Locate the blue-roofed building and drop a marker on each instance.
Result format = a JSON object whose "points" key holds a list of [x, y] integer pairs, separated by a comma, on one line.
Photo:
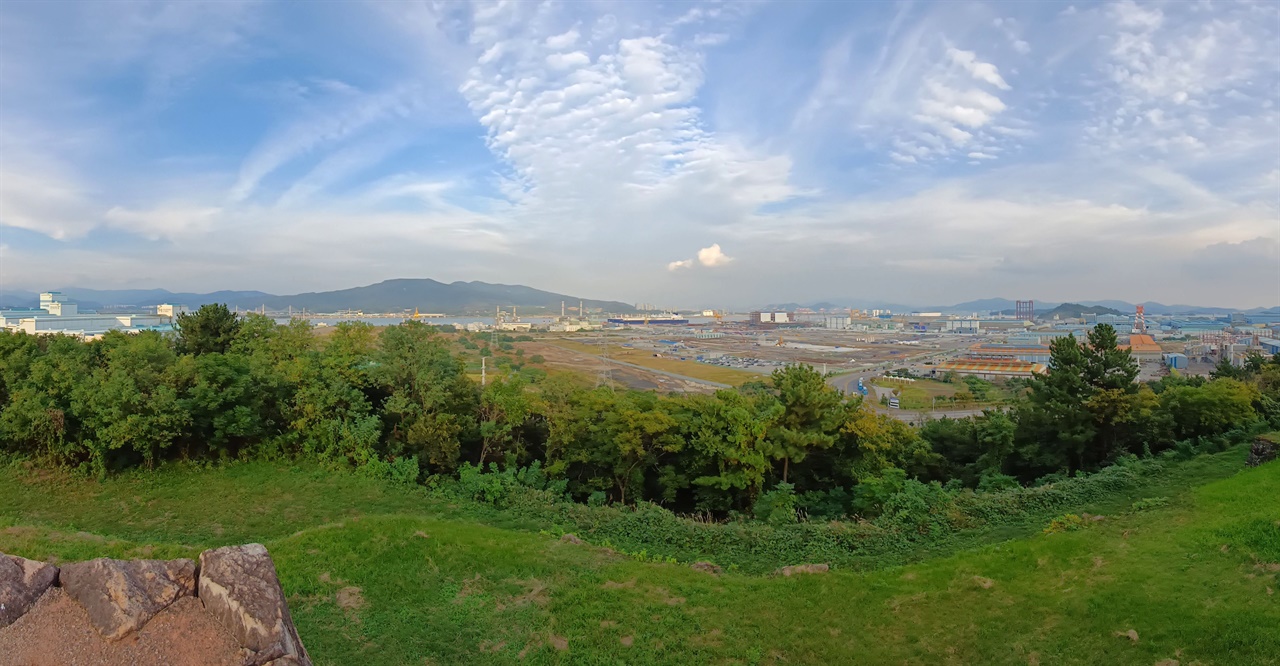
{"points": [[1270, 346]]}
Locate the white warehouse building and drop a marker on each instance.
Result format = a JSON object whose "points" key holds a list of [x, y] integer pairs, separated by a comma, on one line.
{"points": [[59, 316]]}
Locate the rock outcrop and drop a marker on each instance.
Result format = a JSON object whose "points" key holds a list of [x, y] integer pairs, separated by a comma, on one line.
{"points": [[122, 595], [1264, 450], [238, 585], [707, 567], [238, 593], [803, 569], [22, 582]]}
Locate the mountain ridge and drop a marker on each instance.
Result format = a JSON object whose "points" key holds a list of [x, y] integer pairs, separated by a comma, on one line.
{"points": [[393, 295]]}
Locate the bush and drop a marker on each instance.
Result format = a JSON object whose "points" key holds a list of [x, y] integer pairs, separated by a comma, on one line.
{"points": [[1149, 503], [778, 506], [1069, 522], [402, 471]]}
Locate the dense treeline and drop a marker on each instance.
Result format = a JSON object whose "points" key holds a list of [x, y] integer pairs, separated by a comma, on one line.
{"points": [[398, 402]]}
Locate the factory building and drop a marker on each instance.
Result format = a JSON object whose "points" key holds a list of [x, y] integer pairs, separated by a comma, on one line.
{"points": [[1270, 346], [991, 369], [1144, 348], [59, 316], [171, 311], [759, 318], [1031, 353], [1194, 327]]}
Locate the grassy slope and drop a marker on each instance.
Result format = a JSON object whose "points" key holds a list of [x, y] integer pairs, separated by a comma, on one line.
{"points": [[1196, 579]]}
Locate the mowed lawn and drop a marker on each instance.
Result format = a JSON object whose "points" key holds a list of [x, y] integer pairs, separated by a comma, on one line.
{"points": [[431, 582]]}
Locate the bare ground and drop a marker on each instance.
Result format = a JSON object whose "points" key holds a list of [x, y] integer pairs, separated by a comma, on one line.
{"points": [[57, 632]]}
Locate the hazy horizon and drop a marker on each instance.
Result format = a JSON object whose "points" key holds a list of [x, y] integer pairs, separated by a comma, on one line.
{"points": [[682, 153]]}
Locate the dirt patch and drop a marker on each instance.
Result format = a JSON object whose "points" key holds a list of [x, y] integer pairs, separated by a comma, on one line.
{"points": [[492, 646], [535, 593], [57, 631], [1131, 634], [627, 641], [470, 587], [605, 624], [984, 583], [664, 595], [350, 599], [709, 639], [560, 643], [422, 535]]}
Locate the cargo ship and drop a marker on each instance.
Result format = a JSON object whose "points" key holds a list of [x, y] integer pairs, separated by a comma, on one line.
{"points": [[664, 319]]}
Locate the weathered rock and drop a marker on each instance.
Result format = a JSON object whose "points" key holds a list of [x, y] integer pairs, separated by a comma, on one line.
{"points": [[22, 581], [571, 538], [238, 584], [1264, 450], [122, 595], [803, 569], [707, 567]]}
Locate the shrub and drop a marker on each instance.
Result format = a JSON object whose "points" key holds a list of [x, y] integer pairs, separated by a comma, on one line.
{"points": [[1149, 503], [1069, 522], [778, 506]]}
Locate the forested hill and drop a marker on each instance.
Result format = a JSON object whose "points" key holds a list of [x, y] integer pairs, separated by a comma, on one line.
{"points": [[388, 296]]}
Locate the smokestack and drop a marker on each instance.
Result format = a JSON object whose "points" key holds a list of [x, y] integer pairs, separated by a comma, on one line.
{"points": [[562, 309], [582, 314]]}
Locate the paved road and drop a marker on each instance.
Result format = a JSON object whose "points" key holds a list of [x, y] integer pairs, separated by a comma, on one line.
{"points": [[849, 384]]}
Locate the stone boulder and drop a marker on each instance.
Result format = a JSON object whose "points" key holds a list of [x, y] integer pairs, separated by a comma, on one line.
{"points": [[707, 567], [1264, 450], [122, 595], [22, 581], [803, 569], [239, 586]]}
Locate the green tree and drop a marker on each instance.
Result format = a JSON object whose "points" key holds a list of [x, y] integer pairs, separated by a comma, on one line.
{"points": [[211, 329], [810, 415]]}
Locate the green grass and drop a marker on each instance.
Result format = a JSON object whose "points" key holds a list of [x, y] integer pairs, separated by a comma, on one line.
{"points": [[446, 583]]}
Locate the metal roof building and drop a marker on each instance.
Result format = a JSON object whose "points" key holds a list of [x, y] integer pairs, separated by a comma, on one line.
{"points": [[992, 369]]}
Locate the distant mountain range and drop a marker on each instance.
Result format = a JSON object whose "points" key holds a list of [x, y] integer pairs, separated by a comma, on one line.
{"points": [[1007, 306], [388, 296], [481, 297]]}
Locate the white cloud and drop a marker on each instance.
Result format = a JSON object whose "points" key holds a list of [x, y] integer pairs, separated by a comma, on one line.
{"points": [[712, 257], [567, 60], [166, 222], [982, 71], [563, 40], [319, 127]]}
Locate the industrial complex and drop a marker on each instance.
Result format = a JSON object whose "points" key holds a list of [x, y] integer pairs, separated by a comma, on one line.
{"points": [[989, 346]]}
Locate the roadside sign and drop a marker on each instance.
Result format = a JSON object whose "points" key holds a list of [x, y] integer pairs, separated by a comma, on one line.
{"points": [[893, 403]]}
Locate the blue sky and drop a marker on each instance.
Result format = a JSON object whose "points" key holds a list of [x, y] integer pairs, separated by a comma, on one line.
{"points": [[680, 153]]}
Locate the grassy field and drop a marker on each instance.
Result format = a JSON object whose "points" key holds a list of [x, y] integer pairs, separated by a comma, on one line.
{"points": [[690, 368], [445, 583]]}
